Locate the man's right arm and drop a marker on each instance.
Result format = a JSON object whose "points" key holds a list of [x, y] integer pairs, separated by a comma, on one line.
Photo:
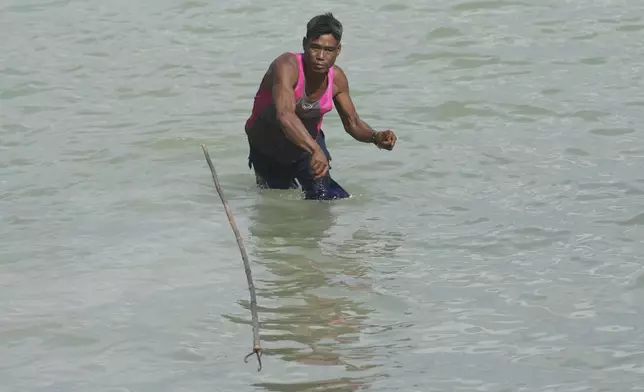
{"points": [[285, 74]]}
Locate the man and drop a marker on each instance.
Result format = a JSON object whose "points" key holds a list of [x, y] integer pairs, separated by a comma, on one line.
{"points": [[284, 129]]}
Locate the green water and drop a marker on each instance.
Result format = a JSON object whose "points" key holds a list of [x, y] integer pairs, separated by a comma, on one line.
{"points": [[497, 248]]}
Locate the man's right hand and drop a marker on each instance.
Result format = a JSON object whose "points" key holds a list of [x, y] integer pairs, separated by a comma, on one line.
{"points": [[319, 164]]}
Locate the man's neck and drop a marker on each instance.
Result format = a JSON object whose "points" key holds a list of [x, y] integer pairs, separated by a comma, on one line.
{"points": [[314, 79]]}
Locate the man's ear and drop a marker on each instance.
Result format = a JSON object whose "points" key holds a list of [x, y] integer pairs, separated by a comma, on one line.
{"points": [[304, 43], [339, 49]]}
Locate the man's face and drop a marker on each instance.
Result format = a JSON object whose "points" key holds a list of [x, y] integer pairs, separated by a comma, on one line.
{"points": [[321, 52]]}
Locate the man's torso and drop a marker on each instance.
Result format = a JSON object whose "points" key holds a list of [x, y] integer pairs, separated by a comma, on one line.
{"points": [[262, 127]]}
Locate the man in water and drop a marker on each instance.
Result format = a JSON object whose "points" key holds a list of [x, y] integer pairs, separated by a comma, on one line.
{"points": [[284, 129]]}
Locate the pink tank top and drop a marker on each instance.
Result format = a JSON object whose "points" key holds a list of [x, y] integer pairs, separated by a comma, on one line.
{"points": [[310, 112]]}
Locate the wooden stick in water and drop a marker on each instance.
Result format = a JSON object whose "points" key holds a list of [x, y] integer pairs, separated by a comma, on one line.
{"points": [[251, 287]]}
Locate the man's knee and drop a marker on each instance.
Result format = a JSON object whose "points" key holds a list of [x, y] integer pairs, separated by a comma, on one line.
{"points": [[324, 189]]}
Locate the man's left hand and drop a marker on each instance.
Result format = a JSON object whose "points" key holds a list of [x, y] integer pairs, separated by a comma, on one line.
{"points": [[386, 139]]}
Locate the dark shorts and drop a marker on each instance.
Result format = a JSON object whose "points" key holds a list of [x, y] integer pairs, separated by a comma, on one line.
{"points": [[272, 174]]}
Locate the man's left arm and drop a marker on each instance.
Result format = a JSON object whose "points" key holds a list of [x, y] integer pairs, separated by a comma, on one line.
{"points": [[351, 121]]}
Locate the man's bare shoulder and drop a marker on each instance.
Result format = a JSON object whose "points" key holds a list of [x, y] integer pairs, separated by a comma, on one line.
{"points": [[284, 62], [340, 81], [339, 72]]}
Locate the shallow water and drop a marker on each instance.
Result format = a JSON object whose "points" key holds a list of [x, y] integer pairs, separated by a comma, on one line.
{"points": [[497, 248]]}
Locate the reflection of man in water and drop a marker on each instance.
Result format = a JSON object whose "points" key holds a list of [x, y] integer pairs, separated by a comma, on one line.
{"points": [[305, 299], [302, 224], [299, 312]]}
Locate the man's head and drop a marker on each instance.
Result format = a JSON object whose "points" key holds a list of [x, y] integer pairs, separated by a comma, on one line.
{"points": [[322, 42]]}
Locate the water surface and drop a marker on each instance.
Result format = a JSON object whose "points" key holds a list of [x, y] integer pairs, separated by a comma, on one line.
{"points": [[497, 248]]}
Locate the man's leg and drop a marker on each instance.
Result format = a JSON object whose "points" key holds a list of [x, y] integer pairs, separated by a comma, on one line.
{"points": [[270, 174], [324, 188]]}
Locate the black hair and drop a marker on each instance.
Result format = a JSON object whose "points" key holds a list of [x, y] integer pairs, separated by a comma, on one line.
{"points": [[323, 24]]}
